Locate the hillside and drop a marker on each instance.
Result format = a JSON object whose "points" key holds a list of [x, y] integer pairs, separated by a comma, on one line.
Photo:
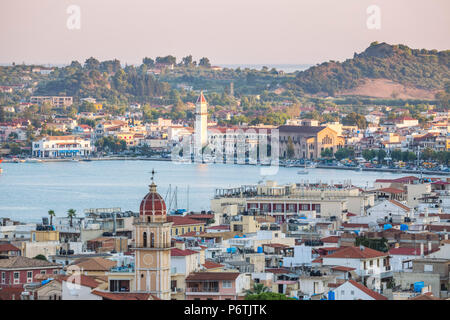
{"points": [[382, 71]]}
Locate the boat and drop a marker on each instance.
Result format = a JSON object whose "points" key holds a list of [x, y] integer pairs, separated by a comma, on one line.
{"points": [[31, 160], [1, 170], [303, 171]]}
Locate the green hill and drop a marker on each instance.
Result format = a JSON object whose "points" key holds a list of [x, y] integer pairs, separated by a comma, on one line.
{"points": [[417, 68]]}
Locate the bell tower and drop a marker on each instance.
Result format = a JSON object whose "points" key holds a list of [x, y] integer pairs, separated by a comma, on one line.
{"points": [[201, 124], [152, 242]]}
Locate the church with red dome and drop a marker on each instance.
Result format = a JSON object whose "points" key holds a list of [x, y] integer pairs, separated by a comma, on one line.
{"points": [[152, 242]]}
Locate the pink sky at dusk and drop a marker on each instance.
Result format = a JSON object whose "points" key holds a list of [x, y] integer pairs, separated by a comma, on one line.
{"points": [[227, 32]]}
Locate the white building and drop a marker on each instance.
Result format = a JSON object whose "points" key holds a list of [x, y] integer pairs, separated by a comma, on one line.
{"points": [[352, 290], [372, 265], [302, 257], [61, 147], [384, 211]]}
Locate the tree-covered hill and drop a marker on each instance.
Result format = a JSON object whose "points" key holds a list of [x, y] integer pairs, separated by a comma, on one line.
{"points": [[419, 68]]}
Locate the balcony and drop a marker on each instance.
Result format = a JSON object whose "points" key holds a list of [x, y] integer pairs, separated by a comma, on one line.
{"points": [[203, 290]]}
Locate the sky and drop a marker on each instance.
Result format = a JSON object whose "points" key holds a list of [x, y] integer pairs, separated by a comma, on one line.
{"points": [[225, 31]]}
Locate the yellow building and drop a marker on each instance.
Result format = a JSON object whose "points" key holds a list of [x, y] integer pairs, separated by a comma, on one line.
{"points": [[183, 225], [44, 236], [308, 142], [244, 224]]}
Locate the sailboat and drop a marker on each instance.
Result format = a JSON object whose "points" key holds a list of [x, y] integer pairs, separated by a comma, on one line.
{"points": [[303, 171]]}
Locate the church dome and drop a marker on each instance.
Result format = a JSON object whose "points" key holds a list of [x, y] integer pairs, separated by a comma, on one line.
{"points": [[152, 204]]}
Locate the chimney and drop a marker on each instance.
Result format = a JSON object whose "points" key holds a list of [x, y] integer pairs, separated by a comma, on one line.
{"points": [[421, 249]]}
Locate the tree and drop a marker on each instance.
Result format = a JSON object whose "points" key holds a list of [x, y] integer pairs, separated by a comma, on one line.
{"points": [[2, 114], [355, 119], [344, 153], [267, 296], [368, 154], [51, 213], [381, 155], [71, 213], [290, 148], [91, 64], [327, 153], [258, 288], [187, 61], [204, 62], [148, 62], [40, 257]]}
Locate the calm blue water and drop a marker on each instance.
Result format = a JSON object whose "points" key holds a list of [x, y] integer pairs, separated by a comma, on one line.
{"points": [[29, 190]]}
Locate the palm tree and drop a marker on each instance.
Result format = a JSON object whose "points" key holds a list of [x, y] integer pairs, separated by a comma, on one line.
{"points": [[258, 288], [51, 213], [71, 214]]}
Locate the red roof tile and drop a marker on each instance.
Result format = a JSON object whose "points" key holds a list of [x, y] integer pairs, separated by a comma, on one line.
{"points": [[330, 239], [211, 265], [366, 290], [8, 247], [175, 252], [356, 253]]}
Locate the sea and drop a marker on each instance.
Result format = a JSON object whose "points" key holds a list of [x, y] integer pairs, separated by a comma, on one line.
{"points": [[29, 190]]}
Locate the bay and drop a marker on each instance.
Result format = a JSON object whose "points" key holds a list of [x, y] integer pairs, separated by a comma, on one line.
{"points": [[29, 190]]}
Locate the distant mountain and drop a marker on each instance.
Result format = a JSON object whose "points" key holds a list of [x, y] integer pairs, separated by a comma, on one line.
{"points": [[382, 70]]}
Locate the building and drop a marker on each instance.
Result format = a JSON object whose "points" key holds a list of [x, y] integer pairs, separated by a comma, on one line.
{"points": [[55, 101], [216, 286], [61, 147], [152, 246], [17, 271], [183, 225], [201, 124], [7, 249], [371, 265], [308, 142], [352, 290]]}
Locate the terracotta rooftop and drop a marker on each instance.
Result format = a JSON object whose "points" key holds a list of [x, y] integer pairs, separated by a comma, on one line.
{"points": [[356, 253], [366, 290], [211, 264], [342, 268], [401, 205], [124, 295], [175, 252], [425, 296], [94, 264], [330, 239], [181, 221], [201, 276], [24, 262], [8, 247], [85, 281]]}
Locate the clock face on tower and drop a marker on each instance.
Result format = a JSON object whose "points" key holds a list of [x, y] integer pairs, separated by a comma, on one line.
{"points": [[148, 259]]}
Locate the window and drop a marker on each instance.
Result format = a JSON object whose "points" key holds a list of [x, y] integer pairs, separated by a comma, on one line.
{"points": [[145, 239], [226, 284], [43, 272], [3, 277], [427, 268], [16, 277], [29, 276], [352, 293], [55, 271], [342, 292]]}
